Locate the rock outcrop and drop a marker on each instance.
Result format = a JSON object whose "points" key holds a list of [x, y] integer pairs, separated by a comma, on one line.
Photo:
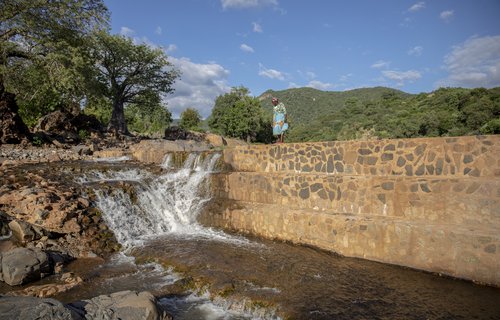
{"points": [[66, 127], [47, 210], [12, 127]]}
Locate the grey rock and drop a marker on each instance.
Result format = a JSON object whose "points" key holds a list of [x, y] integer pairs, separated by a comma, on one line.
{"points": [[22, 265], [30, 308], [124, 305]]}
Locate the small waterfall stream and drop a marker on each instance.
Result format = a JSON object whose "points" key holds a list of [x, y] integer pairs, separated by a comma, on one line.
{"points": [[167, 204]]}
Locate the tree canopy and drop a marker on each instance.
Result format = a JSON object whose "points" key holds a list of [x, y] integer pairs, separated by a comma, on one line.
{"points": [[41, 50], [190, 119], [128, 73], [236, 114], [387, 113]]}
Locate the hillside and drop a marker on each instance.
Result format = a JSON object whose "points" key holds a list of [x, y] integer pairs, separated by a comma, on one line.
{"points": [[306, 104], [380, 112]]}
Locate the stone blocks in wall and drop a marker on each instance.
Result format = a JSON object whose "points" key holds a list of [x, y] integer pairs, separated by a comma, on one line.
{"points": [[450, 249], [475, 156], [427, 203]]}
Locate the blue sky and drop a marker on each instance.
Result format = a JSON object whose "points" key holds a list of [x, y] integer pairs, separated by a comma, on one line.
{"points": [[331, 45]]}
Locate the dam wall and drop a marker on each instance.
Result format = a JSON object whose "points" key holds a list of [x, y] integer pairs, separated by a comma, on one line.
{"points": [[428, 203]]}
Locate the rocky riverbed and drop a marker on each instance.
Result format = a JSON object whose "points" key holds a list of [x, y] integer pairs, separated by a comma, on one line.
{"points": [[48, 220]]}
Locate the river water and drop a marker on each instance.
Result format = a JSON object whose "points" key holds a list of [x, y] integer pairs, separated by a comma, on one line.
{"points": [[202, 273]]}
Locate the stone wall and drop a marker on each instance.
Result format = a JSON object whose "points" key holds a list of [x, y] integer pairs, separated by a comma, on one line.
{"points": [[429, 203]]}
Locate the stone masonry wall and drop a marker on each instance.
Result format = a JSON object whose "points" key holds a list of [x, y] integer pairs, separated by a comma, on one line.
{"points": [[429, 203]]}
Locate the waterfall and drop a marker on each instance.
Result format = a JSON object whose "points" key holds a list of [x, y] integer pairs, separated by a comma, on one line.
{"points": [[168, 203], [167, 161]]}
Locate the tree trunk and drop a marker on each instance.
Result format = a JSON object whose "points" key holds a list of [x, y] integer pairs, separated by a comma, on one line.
{"points": [[117, 124]]}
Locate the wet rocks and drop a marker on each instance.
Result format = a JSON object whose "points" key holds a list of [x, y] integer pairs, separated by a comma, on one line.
{"points": [[22, 265], [126, 305], [67, 281], [29, 308]]}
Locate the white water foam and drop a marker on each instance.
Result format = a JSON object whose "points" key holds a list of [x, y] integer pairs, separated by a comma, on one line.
{"points": [[201, 307], [167, 161], [124, 175], [167, 204], [112, 159]]}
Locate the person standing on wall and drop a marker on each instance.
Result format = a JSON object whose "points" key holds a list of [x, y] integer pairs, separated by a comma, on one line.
{"points": [[280, 124]]}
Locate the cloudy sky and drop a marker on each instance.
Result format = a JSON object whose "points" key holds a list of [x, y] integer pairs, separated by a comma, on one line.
{"points": [[333, 45]]}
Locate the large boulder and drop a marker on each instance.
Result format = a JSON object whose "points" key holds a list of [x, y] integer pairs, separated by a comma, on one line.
{"points": [[66, 127], [124, 305], [177, 133], [30, 308], [22, 265], [12, 127]]}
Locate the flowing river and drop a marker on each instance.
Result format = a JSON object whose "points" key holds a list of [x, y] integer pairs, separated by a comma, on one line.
{"points": [[203, 273]]}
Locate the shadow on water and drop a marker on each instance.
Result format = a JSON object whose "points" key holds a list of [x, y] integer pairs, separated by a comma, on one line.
{"points": [[305, 283]]}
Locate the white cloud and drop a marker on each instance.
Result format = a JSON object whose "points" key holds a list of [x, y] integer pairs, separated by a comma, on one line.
{"points": [[417, 6], [256, 27], [197, 87], [270, 73], [320, 85], [310, 75], [345, 77], [125, 31], [246, 48], [130, 33], [475, 63], [171, 48], [380, 64], [446, 15], [158, 30], [402, 76], [416, 51], [243, 4]]}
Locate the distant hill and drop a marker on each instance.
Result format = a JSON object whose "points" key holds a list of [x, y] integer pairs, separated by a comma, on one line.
{"points": [[381, 112], [306, 104]]}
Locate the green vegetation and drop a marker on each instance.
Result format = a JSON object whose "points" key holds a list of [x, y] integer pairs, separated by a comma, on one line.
{"points": [[128, 73], [190, 119], [387, 113], [59, 55], [41, 51], [238, 115]]}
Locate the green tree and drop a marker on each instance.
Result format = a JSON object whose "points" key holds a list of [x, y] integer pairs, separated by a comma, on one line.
{"points": [[41, 50], [190, 119], [236, 114], [147, 115], [126, 73]]}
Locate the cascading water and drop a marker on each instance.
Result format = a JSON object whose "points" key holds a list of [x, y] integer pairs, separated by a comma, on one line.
{"points": [[168, 203]]}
